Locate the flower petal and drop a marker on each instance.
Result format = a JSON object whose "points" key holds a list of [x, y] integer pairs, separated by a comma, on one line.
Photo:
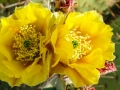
{"points": [[11, 80], [94, 58], [108, 54]]}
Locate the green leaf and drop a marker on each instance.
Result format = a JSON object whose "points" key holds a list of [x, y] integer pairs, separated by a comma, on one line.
{"points": [[60, 84], [52, 88], [3, 1], [116, 30]]}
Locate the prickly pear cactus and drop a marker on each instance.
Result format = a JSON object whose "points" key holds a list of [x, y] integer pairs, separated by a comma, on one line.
{"points": [[98, 5]]}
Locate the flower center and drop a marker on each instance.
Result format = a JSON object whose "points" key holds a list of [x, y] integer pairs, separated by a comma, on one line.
{"points": [[26, 43], [75, 44], [81, 44]]}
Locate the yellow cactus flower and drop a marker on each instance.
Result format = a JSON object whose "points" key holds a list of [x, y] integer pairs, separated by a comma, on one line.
{"points": [[92, 46], [23, 56], [59, 45]]}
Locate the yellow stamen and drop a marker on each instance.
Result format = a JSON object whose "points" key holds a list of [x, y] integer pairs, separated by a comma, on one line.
{"points": [[26, 43], [81, 44]]}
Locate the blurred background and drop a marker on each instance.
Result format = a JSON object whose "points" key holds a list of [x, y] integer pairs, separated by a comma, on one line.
{"points": [[109, 9]]}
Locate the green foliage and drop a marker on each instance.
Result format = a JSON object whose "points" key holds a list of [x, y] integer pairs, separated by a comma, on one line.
{"points": [[86, 5], [52, 88], [45, 3], [5, 86], [7, 6], [60, 85], [8, 1], [3, 1], [116, 30]]}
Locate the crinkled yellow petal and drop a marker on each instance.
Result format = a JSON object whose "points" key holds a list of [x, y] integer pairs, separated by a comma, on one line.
{"points": [[70, 72], [56, 70], [14, 26], [54, 37], [83, 69], [42, 39], [61, 45], [71, 16], [78, 80], [15, 67], [74, 77], [104, 37], [55, 59], [92, 16], [65, 45], [62, 31], [63, 56], [33, 68], [12, 81], [108, 54], [44, 57], [5, 51], [33, 71], [86, 67], [0, 26], [38, 73], [37, 15], [7, 71], [26, 13], [60, 17], [84, 17], [39, 77], [6, 38], [36, 78], [62, 42], [2, 57], [43, 20], [94, 58]]}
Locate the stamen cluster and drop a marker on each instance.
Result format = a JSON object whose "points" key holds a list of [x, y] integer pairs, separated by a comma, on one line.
{"points": [[81, 43], [26, 43]]}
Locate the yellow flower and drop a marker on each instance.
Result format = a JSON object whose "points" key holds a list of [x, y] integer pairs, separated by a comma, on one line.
{"points": [[59, 45], [22, 51], [92, 46]]}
